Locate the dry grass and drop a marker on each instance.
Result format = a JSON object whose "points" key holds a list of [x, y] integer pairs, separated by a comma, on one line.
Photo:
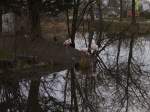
{"points": [[54, 29]]}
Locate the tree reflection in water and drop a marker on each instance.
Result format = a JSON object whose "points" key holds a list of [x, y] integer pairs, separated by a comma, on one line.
{"points": [[120, 83], [11, 98]]}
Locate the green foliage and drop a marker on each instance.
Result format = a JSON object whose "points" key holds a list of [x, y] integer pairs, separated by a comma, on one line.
{"points": [[5, 54], [56, 6], [68, 4], [145, 14]]}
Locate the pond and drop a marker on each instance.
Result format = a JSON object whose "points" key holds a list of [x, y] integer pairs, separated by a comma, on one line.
{"points": [[118, 83]]}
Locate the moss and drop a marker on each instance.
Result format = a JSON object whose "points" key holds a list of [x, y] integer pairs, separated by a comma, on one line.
{"points": [[5, 55]]}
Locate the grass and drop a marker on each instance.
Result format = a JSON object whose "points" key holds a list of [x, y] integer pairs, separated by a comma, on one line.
{"points": [[5, 55]]}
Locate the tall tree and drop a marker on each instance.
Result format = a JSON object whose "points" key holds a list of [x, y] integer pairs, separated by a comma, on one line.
{"points": [[99, 4], [121, 9], [33, 105], [0, 20], [34, 13], [133, 11], [1, 5]]}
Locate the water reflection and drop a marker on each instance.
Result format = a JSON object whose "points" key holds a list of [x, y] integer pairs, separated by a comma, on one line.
{"points": [[11, 97], [120, 83]]}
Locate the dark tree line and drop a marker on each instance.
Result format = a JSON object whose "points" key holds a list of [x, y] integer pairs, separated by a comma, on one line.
{"points": [[34, 7]]}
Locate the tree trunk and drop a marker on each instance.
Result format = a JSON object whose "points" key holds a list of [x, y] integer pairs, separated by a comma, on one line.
{"points": [[0, 20], [129, 72], [74, 102], [32, 104], [74, 22], [99, 3], [121, 10], [34, 16], [133, 12], [91, 32]]}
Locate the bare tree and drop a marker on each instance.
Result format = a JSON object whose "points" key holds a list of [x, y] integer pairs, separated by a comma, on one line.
{"points": [[33, 102], [121, 9], [100, 30], [133, 11], [0, 20], [34, 15]]}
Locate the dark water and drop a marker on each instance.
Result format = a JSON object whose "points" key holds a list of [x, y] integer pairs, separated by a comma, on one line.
{"points": [[119, 84]]}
